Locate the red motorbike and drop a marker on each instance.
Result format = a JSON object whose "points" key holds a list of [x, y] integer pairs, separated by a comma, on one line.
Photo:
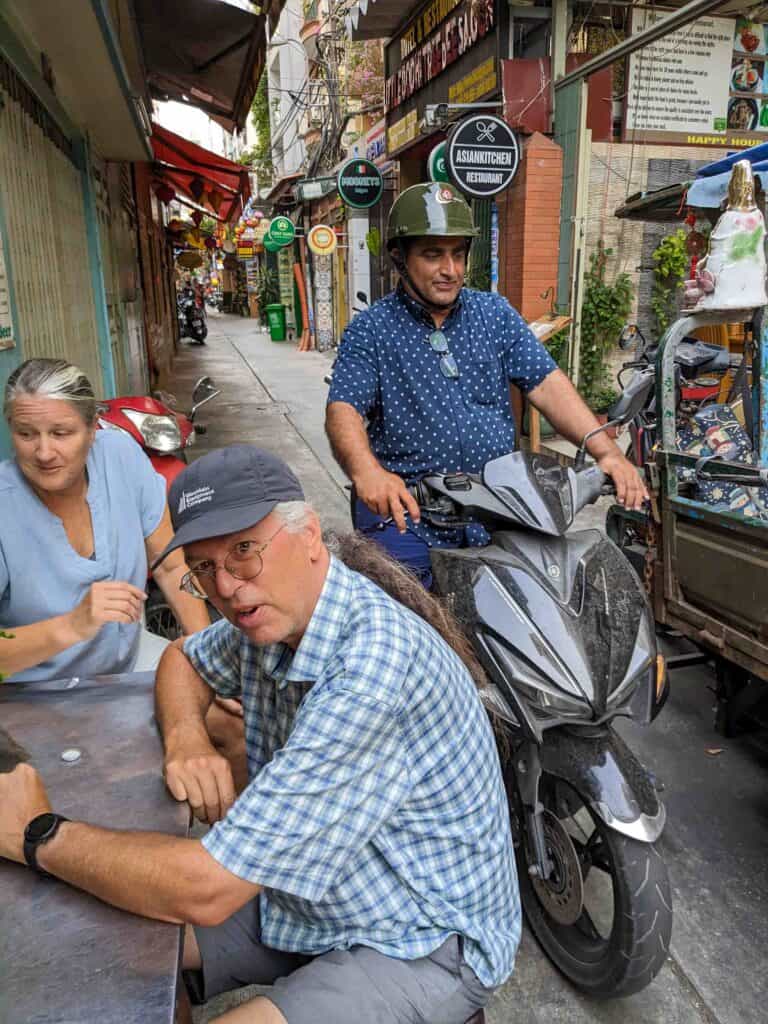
{"points": [[164, 434]]}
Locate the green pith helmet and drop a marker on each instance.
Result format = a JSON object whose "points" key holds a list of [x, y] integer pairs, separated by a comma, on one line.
{"points": [[433, 208]]}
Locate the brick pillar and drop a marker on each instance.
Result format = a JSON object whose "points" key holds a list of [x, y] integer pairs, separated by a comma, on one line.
{"points": [[529, 228]]}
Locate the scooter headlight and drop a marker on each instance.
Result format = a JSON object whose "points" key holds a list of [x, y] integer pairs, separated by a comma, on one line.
{"points": [[161, 433]]}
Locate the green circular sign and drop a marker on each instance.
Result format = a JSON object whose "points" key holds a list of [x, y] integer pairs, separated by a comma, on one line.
{"points": [[270, 244], [281, 230], [436, 164], [360, 183]]}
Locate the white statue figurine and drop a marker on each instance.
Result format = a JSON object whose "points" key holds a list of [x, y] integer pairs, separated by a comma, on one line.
{"points": [[732, 274]]}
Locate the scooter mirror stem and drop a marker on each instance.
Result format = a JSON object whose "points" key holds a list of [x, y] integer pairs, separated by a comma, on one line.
{"points": [[581, 454]]}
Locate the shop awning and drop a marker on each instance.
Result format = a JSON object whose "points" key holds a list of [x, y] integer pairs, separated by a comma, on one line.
{"points": [[179, 163], [209, 53]]}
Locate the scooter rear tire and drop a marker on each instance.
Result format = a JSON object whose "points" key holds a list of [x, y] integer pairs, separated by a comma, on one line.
{"points": [[638, 944]]}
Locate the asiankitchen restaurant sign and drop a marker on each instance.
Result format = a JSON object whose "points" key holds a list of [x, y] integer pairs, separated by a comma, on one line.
{"points": [[703, 85]]}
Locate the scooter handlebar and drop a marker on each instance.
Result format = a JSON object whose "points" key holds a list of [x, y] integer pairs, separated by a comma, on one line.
{"points": [[589, 486]]}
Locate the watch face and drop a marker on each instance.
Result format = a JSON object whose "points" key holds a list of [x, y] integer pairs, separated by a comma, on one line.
{"points": [[39, 827]]}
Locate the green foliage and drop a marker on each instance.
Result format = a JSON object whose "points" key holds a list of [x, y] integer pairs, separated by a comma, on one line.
{"points": [[670, 259], [259, 157], [557, 346], [604, 311], [267, 290], [604, 398]]}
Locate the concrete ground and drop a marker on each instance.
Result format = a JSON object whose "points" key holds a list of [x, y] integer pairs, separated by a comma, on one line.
{"points": [[716, 839]]}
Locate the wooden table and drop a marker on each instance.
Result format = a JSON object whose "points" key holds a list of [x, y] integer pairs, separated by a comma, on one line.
{"points": [[65, 957]]}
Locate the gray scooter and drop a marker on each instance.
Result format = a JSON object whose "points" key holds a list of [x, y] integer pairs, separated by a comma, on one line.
{"points": [[564, 631]]}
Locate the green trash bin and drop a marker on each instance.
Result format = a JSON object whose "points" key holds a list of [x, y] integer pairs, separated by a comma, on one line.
{"points": [[276, 321]]}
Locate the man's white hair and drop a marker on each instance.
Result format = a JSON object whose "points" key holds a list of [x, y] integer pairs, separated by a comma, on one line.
{"points": [[295, 514]]}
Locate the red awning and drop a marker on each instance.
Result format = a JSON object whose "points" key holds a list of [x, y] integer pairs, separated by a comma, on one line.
{"points": [[179, 162]]}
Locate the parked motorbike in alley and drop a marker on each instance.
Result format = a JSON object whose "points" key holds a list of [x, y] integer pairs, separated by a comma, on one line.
{"points": [[190, 311], [164, 434], [565, 633]]}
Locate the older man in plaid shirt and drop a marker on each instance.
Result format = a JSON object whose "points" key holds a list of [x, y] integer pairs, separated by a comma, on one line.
{"points": [[366, 871]]}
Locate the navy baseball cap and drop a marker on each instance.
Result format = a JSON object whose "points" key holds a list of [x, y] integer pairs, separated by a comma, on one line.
{"points": [[226, 491]]}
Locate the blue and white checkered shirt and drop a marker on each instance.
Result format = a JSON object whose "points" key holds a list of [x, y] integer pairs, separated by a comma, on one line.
{"points": [[376, 813]]}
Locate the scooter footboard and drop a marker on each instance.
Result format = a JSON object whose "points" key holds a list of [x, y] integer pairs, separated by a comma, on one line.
{"points": [[608, 776]]}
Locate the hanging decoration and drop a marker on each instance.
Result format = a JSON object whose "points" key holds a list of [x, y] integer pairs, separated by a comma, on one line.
{"points": [[196, 188], [165, 193]]}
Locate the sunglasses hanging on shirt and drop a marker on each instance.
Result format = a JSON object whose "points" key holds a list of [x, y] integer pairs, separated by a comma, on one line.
{"points": [[448, 366]]}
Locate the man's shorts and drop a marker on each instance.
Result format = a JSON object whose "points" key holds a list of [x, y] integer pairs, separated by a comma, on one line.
{"points": [[354, 986]]}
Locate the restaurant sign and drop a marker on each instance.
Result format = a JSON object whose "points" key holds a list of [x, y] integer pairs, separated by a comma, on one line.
{"points": [[482, 155], [460, 26], [360, 183]]}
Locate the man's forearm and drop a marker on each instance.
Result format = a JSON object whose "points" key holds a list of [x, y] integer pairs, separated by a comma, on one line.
{"points": [[182, 698], [559, 401], [349, 440], [154, 875]]}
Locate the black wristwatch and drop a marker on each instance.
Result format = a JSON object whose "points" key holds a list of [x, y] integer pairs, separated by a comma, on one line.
{"points": [[40, 830]]}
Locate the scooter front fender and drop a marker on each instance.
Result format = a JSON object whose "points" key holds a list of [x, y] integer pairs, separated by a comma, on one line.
{"points": [[607, 775]]}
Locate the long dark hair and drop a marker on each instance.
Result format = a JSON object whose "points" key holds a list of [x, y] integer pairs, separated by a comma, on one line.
{"points": [[368, 558]]}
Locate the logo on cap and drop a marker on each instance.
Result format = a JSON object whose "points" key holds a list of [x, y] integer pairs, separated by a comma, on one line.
{"points": [[189, 499]]}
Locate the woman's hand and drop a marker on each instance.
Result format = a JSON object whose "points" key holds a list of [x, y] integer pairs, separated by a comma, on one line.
{"points": [[109, 601]]}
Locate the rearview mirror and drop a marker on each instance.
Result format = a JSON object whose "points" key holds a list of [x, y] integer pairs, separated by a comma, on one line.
{"points": [[202, 388], [633, 398], [631, 337]]}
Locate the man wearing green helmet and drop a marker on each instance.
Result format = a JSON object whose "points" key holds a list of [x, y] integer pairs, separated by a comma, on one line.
{"points": [[429, 368]]}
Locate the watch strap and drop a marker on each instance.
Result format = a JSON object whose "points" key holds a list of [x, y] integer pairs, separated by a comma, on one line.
{"points": [[31, 845]]}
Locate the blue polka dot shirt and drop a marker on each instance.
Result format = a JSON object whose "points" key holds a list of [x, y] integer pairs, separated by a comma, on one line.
{"points": [[420, 421]]}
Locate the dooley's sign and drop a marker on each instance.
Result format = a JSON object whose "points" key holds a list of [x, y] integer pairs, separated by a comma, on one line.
{"points": [[360, 183], [482, 155], [449, 38]]}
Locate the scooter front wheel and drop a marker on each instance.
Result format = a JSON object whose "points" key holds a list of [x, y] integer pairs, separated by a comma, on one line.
{"points": [[604, 917]]}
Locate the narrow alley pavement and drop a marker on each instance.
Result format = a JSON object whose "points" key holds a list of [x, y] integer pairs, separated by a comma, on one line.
{"points": [[715, 790]]}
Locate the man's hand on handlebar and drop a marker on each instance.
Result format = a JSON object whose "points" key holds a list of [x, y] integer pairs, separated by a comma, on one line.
{"points": [[386, 494], [630, 489]]}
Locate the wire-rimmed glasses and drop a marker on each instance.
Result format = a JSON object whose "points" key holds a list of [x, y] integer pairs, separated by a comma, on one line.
{"points": [[448, 366], [244, 562]]}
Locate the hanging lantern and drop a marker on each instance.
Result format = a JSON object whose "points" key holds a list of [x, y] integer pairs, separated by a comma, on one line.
{"points": [[196, 218], [210, 242], [165, 193], [215, 199], [196, 188]]}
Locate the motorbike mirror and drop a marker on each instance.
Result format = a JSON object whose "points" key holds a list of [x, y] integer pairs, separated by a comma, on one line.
{"points": [[631, 337], [632, 400], [202, 388], [634, 397], [362, 297]]}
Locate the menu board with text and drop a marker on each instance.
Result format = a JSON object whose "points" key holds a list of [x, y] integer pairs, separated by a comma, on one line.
{"points": [[705, 84]]}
